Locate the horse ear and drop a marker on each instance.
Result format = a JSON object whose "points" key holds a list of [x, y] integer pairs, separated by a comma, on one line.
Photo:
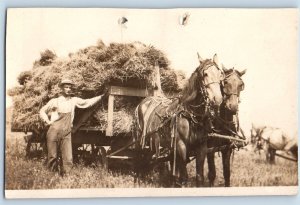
{"points": [[224, 68], [243, 72], [216, 60], [199, 58]]}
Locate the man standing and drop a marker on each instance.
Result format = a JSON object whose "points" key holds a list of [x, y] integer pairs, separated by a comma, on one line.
{"points": [[61, 122]]}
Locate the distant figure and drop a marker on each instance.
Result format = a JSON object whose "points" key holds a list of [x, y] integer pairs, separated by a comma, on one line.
{"points": [[271, 139], [59, 134]]}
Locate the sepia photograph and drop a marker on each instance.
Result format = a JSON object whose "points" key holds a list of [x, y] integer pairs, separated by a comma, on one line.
{"points": [[151, 102]]}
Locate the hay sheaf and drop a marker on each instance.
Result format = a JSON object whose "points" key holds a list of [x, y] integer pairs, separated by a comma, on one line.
{"points": [[93, 69]]}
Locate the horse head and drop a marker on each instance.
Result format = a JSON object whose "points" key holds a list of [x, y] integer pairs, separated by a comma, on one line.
{"points": [[211, 76], [231, 87], [204, 83], [256, 139]]}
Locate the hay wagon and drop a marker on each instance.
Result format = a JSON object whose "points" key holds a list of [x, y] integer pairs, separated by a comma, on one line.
{"points": [[94, 142], [98, 144]]}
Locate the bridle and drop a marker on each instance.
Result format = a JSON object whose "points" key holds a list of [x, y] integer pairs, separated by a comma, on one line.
{"points": [[237, 93], [203, 92], [202, 75], [204, 85], [227, 124]]}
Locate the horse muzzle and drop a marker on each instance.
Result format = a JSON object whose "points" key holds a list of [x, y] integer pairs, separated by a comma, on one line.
{"points": [[232, 103], [214, 95]]}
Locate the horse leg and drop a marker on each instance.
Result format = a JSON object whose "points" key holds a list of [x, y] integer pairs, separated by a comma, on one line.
{"points": [[272, 155], [156, 145], [181, 135], [211, 168], [226, 166], [182, 162], [200, 159], [267, 151], [139, 164], [137, 167]]}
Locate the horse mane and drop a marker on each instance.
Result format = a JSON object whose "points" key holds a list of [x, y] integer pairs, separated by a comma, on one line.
{"points": [[190, 89]]}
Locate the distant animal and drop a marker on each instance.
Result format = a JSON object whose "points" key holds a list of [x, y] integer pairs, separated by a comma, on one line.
{"points": [[226, 124], [271, 139], [184, 132]]}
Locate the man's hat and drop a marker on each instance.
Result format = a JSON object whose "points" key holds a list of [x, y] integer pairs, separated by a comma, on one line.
{"points": [[66, 81]]}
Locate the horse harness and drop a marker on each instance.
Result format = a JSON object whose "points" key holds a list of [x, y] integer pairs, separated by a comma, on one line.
{"points": [[205, 104], [187, 111], [226, 124]]}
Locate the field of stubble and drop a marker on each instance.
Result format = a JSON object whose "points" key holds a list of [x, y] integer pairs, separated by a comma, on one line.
{"points": [[248, 169]]}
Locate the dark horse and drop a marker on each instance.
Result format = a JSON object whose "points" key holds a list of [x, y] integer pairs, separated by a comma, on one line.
{"points": [[226, 124], [178, 128]]}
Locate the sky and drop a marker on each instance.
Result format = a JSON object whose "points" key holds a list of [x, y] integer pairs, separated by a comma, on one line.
{"points": [[262, 41]]}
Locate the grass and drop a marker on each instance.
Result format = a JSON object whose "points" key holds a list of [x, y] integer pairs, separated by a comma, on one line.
{"points": [[248, 169]]}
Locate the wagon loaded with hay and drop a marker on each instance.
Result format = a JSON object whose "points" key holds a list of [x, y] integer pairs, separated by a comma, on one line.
{"points": [[125, 72]]}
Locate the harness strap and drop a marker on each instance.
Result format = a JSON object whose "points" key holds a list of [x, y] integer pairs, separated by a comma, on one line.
{"points": [[174, 139], [158, 128]]}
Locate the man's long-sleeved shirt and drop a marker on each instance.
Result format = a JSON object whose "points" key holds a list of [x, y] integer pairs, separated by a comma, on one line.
{"points": [[65, 105]]}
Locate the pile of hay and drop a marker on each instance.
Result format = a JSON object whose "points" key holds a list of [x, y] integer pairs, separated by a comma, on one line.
{"points": [[93, 69]]}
